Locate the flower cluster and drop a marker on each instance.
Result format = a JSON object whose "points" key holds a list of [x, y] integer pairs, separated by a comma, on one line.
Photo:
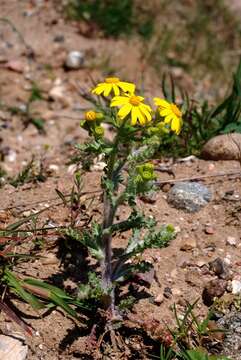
{"points": [[131, 106], [145, 172]]}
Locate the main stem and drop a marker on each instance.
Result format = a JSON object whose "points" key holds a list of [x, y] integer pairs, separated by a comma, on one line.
{"points": [[106, 266], [108, 219]]}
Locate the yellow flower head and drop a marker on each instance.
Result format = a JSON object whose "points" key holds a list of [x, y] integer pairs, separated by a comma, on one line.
{"points": [[90, 115], [132, 104], [113, 84], [172, 115]]}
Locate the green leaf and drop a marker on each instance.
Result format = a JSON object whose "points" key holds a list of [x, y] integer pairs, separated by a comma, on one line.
{"points": [[15, 284]]}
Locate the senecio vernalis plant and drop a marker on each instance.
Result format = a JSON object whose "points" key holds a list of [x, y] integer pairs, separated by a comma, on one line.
{"points": [[128, 173]]}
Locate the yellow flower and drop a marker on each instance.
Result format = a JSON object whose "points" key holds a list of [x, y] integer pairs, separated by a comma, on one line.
{"points": [[132, 104], [113, 83], [171, 114]]}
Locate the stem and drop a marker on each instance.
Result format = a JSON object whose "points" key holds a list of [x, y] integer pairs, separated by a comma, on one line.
{"points": [[108, 219]]}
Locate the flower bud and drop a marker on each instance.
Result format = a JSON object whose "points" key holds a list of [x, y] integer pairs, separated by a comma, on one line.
{"points": [[90, 115]]}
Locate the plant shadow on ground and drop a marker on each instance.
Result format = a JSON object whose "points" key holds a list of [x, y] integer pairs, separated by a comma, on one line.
{"points": [[76, 267]]}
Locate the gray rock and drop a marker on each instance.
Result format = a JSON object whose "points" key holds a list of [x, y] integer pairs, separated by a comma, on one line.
{"points": [[223, 147], [231, 322], [189, 196], [12, 349], [74, 60]]}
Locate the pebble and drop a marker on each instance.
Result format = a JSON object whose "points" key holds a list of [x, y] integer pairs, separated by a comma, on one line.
{"points": [[149, 198], [74, 60], [236, 287], [27, 213], [98, 166], [214, 288], [11, 156], [167, 292], [53, 168], [189, 196], [188, 244], [220, 268], [50, 259], [231, 240], [159, 299], [209, 230]]}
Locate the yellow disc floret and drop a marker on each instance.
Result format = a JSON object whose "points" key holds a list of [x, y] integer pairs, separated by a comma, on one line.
{"points": [[112, 80], [134, 100]]}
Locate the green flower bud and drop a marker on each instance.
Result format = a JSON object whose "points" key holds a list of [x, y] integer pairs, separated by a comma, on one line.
{"points": [[99, 131]]}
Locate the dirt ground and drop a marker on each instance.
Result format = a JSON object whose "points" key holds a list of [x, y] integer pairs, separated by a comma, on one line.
{"points": [[184, 272]]}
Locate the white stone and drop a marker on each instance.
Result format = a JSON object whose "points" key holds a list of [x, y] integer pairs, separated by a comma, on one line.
{"points": [[74, 60], [12, 348], [236, 287], [231, 240]]}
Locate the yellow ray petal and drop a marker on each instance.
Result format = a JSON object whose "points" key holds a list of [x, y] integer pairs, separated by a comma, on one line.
{"points": [[134, 114], [161, 102], [119, 101], [127, 87], [165, 112], [108, 88], [99, 89], [176, 125], [124, 111], [141, 118], [147, 107], [168, 118], [145, 112], [116, 90]]}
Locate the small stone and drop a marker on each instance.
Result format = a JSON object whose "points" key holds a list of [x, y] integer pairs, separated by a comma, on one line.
{"points": [[74, 60], [59, 38], [189, 196], [27, 213], [188, 244], [15, 65], [219, 268], [50, 259], [166, 187], [11, 156], [236, 287], [53, 168], [159, 299], [214, 288], [211, 167], [58, 93], [149, 198], [209, 230], [231, 240], [167, 292], [176, 292], [201, 263], [98, 166]]}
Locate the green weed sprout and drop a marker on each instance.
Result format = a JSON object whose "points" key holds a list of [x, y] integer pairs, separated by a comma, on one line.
{"points": [[128, 173]]}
